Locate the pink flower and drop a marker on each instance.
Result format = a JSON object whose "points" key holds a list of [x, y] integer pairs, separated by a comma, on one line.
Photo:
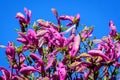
{"points": [[61, 69], [86, 32], [22, 20], [10, 51], [51, 36], [113, 32], [46, 24], [74, 20], [29, 39]]}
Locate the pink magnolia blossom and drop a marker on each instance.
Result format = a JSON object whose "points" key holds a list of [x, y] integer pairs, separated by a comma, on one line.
{"points": [[10, 51], [52, 36], [113, 32], [29, 40], [74, 20], [24, 20], [61, 69], [86, 32], [46, 24]]}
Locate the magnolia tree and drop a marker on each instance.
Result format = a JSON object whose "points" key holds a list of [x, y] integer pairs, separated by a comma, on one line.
{"points": [[60, 51]]}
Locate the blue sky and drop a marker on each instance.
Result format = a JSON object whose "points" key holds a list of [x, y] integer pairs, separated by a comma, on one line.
{"points": [[97, 13]]}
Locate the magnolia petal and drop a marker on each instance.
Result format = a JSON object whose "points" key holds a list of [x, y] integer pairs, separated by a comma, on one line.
{"points": [[22, 40], [98, 53], [74, 64], [61, 69], [28, 70], [6, 74], [55, 12], [2, 46], [20, 16], [76, 46], [22, 35], [83, 55], [38, 59], [113, 32], [51, 59]]}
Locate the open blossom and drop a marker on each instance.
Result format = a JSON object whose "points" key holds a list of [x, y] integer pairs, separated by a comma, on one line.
{"points": [[52, 36], [29, 40], [24, 20], [61, 69], [10, 51]]}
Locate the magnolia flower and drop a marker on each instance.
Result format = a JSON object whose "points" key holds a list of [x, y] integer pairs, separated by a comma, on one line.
{"points": [[113, 32], [74, 20], [50, 36], [10, 51], [46, 24], [86, 32], [22, 20], [61, 69], [76, 45], [29, 40]]}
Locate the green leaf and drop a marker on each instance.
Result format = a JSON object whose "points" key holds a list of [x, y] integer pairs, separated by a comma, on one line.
{"points": [[64, 28], [19, 49], [25, 25]]}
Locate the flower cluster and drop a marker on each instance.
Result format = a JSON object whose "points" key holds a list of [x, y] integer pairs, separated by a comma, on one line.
{"points": [[54, 52]]}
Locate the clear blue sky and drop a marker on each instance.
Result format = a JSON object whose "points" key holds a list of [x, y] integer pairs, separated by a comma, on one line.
{"points": [[97, 13]]}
